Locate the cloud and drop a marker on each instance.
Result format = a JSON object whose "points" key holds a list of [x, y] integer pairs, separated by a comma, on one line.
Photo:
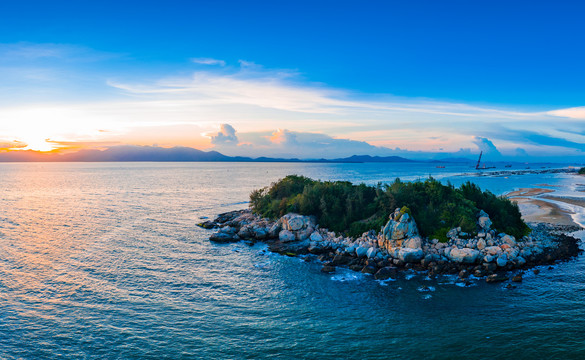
{"points": [[577, 113], [257, 100], [208, 61], [226, 136], [66, 53], [486, 146], [284, 137], [15, 144]]}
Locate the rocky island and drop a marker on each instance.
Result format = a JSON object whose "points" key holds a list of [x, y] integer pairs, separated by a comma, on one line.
{"points": [[456, 237]]}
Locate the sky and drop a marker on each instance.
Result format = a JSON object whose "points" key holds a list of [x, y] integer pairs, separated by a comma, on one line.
{"points": [[307, 79]]}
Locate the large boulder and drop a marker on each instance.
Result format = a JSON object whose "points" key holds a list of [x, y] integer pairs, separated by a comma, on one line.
{"points": [[296, 222], [400, 226], [222, 237], [484, 221], [509, 239], [465, 256], [409, 255], [299, 225], [315, 236], [413, 242], [286, 236]]}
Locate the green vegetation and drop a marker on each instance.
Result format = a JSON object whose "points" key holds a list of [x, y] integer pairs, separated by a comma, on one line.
{"points": [[582, 171], [353, 209]]}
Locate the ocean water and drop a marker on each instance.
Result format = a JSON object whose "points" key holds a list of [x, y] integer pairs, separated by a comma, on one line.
{"points": [[104, 261]]}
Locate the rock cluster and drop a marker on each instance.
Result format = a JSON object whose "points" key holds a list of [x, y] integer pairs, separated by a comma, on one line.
{"points": [[399, 245]]}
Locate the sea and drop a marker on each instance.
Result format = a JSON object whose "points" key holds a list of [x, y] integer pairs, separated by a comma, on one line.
{"points": [[105, 261]]}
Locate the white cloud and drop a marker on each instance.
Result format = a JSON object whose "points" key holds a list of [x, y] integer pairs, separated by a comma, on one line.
{"points": [[208, 61], [255, 100], [577, 113], [226, 136]]}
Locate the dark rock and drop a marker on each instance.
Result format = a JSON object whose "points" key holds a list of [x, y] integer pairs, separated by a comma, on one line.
{"points": [[229, 216], [340, 259], [536, 271], [495, 278], [386, 273], [328, 268], [356, 267], [517, 278], [208, 224], [510, 286], [463, 274], [490, 267], [220, 237], [369, 269]]}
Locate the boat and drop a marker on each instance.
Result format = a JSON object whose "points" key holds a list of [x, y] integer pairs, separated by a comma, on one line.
{"points": [[440, 167], [484, 167]]}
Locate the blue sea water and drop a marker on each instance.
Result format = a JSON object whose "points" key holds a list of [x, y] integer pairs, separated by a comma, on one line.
{"points": [[104, 261]]}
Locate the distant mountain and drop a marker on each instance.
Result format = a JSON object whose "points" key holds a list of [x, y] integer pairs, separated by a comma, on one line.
{"points": [[373, 159], [145, 153], [159, 154]]}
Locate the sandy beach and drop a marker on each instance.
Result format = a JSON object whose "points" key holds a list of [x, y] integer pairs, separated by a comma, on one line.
{"points": [[535, 208]]}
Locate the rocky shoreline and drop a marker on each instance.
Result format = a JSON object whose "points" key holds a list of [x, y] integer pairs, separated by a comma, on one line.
{"points": [[398, 245]]}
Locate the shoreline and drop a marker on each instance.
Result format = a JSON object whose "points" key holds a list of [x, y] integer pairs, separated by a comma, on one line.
{"points": [[539, 206], [488, 255]]}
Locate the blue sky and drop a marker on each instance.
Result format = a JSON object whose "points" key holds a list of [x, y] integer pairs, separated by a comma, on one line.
{"points": [[428, 77]]}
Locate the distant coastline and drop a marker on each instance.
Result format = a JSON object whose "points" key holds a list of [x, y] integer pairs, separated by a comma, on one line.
{"points": [[133, 153]]}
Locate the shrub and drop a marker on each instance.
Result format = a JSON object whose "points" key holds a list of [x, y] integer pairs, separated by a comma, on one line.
{"points": [[353, 209], [582, 171]]}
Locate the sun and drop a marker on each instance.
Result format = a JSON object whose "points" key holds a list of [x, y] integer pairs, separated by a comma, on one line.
{"points": [[38, 144]]}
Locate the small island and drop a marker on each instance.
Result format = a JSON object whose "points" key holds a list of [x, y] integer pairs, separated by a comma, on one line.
{"points": [[378, 230]]}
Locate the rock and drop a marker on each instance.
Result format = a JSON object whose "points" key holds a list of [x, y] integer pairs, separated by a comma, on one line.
{"points": [[260, 233], [452, 234], [275, 230], [466, 255], [520, 261], [484, 221], [489, 258], [286, 236], [517, 278], [495, 278], [493, 250], [509, 239], [355, 267], [340, 260], [386, 273], [490, 267], [371, 253], [502, 260], [409, 255], [245, 232], [361, 251], [536, 271], [480, 244], [510, 286], [295, 223], [315, 236], [370, 269], [400, 226], [208, 224], [328, 268], [303, 234], [221, 237], [413, 242]]}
